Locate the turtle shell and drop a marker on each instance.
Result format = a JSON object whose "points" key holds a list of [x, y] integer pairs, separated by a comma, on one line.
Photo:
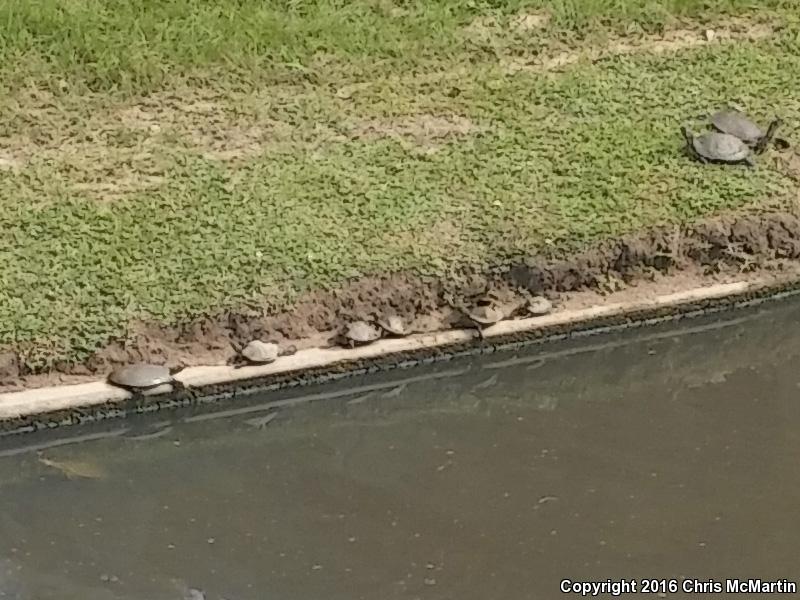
{"points": [[393, 325], [720, 146], [486, 315], [260, 352], [140, 376], [738, 125], [361, 332], [539, 305]]}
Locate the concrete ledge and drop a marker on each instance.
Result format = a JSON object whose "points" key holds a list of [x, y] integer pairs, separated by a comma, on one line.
{"points": [[320, 357], [21, 406]]}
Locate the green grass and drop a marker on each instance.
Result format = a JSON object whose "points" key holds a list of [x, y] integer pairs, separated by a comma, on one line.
{"points": [[139, 44], [315, 195]]}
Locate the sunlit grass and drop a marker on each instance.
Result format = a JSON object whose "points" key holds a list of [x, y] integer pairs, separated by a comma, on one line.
{"points": [[138, 44], [111, 214]]}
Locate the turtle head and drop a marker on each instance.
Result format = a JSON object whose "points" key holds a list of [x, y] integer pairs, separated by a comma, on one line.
{"points": [[289, 350], [687, 135]]}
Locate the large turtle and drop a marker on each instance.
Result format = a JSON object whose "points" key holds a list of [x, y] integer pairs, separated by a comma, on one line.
{"points": [[739, 125], [139, 377], [714, 146]]}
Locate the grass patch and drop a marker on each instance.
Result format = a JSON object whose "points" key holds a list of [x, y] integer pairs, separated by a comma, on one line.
{"points": [[139, 45], [204, 193]]}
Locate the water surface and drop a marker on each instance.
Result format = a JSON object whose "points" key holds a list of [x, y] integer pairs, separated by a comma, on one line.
{"points": [[666, 452]]}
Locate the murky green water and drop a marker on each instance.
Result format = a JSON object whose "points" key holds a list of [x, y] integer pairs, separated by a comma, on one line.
{"points": [[663, 453]]}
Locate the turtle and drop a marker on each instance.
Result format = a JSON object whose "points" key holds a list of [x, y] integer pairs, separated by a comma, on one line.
{"points": [[139, 377], [737, 124], [538, 306], [714, 146], [359, 333], [480, 313], [393, 325], [257, 352], [483, 315]]}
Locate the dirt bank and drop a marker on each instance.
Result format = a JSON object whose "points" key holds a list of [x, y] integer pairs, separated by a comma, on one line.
{"points": [[668, 258]]}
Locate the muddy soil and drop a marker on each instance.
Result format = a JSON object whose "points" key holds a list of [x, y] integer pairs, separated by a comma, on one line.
{"points": [[713, 249]]}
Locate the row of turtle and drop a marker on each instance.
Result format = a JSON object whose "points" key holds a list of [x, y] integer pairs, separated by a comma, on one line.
{"points": [[480, 313], [734, 138]]}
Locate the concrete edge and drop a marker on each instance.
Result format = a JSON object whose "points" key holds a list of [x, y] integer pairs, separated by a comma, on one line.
{"points": [[15, 406]]}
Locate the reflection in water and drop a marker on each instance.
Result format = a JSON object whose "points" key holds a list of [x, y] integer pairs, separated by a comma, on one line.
{"points": [[661, 453]]}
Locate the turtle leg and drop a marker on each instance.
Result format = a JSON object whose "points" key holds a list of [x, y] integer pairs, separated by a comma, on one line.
{"points": [[695, 154], [750, 161], [767, 138], [479, 331]]}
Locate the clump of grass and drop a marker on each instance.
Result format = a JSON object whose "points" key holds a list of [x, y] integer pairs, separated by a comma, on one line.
{"points": [[650, 14], [139, 45]]}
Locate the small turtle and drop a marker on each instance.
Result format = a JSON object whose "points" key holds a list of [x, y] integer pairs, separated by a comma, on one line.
{"points": [[483, 315], [359, 333], [713, 146], [480, 313], [393, 325], [538, 306], [261, 353], [142, 376], [737, 124], [257, 352]]}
